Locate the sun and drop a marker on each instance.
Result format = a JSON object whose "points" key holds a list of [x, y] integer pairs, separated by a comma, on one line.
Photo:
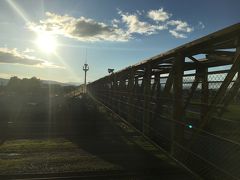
{"points": [[46, 42]]}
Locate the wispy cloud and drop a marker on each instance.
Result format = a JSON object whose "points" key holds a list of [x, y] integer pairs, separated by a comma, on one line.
{"points": [[176, 28], [176, 34], [29, 50], [119, 29], [159, 15], [13, 56], [134, 25], [201, 25], [179, 28]]}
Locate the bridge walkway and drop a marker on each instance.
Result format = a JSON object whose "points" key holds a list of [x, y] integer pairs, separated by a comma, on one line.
{"points": [[109, 138]]}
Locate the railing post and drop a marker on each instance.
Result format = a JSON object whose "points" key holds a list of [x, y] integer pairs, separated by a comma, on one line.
{"points": [[205, 91], [131, 95], [109, 92], [147, 92], [156, 91], [155, 84], [177, 129], [114, 88], [120, 91]]}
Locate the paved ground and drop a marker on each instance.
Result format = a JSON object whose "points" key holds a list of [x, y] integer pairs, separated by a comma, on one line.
{"points": [[75, 139]]}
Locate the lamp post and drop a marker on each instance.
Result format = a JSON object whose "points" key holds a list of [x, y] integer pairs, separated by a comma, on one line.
{"points": [[85, 69]]}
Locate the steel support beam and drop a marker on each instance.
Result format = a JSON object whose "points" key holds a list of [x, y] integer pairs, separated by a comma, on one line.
{"points": [[223, 88], [147, 92], [204, 91], [131, 96], [177, 131]]}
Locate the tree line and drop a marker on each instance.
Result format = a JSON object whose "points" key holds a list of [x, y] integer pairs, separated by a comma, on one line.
{"points": [[34, 86]]}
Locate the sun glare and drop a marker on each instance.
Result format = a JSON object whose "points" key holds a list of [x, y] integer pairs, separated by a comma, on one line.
{"points": [[46, 42]]}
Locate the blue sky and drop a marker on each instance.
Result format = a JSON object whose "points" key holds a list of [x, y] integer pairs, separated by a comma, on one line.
{"points": [[53, 39]]}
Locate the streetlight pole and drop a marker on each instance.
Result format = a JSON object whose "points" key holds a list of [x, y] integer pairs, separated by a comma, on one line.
{"points": [[85, 69]]}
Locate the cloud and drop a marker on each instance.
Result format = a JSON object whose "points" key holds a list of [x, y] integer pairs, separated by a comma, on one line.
{"points": [[119, 29], [82, 28], [180, 28], [134, 25], [115, 23], [12, 56], [176, 28], [28, 50], [201, 25], [5, 75], [159, 15], [140, 12], [177, 34]]}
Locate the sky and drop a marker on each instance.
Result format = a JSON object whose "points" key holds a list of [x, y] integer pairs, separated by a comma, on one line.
{"points": [[52, 40]]}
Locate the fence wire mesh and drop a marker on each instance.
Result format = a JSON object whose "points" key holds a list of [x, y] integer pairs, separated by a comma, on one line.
{"points": [[214, 152]]}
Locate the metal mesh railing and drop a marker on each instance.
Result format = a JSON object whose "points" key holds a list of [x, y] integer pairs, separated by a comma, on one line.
{"points": [[216, 147]]}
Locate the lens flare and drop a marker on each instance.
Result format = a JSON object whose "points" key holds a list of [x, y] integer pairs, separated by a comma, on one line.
{"points": [[46, 42]]}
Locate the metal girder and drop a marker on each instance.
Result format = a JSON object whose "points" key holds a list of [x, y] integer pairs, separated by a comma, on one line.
{"points": [[147, 92], [193, 59], [192, 89], [222, 39], [130, 95], [169, 83], [229, 96], [203, 71], [177, 132], [219, 57], [223, 88]]}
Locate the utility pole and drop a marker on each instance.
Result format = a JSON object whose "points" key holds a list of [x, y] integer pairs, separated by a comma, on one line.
{"points": [[85, 69]]}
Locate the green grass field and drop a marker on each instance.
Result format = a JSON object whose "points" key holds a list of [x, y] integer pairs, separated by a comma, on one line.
{"points": [[47, 156]]}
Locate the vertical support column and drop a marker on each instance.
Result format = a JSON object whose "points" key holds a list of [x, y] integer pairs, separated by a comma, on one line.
{"points": [[120, 99], [117, 93], [156, 93], [136, 86], [155, 97], [169, 82], [136, 101], [205, 90], [177, 129], [108, 92], [131, 95], [111, 90], [158, 87], [114, 87], [105, 91], [147, 92], [156, 84]]}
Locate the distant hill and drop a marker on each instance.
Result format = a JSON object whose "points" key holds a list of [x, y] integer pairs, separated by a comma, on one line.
{"points": [[73, 83], [4, 82], [60, 83], [52, 82]]}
